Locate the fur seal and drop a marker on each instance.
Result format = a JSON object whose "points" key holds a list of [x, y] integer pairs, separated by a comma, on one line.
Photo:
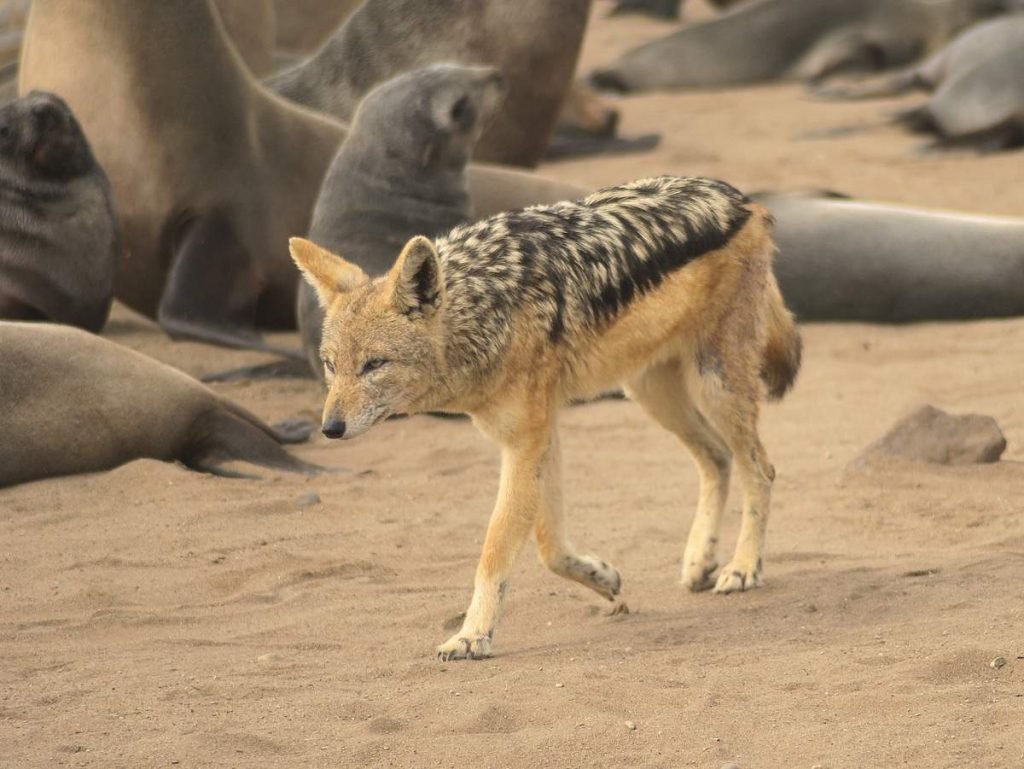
{"points": [[211, 172], [534, 43], [982, 107], [846, 260], [60, 241], [400, 172], [78, 403], [804, 39]]}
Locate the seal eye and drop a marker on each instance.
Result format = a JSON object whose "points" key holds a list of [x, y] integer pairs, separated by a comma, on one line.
{"points": [[371, 365]]}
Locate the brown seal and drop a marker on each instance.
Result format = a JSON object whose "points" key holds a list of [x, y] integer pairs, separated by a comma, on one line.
{"points": [[804, 39], [211, 173], [78, 403]]}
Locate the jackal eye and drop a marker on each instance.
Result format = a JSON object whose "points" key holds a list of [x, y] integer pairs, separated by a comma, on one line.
{"points": [[329, 366], [371, 364]]}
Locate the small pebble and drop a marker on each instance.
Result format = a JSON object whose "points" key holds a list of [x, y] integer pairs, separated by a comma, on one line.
{"points": [[308, 499], [559, 686], [631, 726], [997, 663], [730, 766]]}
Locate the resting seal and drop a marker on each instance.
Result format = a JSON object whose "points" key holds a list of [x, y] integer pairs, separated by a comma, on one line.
{"points": [[77, 403], [400, 172], [843, 259], [534, 43], [59, 237], [982, 107], [804, 39]]}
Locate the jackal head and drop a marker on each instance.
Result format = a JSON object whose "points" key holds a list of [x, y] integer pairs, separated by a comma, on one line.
{"points": [[382, 347]]}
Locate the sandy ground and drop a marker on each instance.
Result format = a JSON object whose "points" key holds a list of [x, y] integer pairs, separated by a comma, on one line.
{"points": [[154, 617]]}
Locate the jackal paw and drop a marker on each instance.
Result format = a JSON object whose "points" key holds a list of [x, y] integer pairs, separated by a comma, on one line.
{"points": [[738, 576], [465, 647], [597, 575], [698, 576]]}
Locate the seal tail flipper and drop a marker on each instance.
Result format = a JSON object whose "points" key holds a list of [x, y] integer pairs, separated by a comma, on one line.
{"points": [[212, 291], [222, 436], [783, 349]]}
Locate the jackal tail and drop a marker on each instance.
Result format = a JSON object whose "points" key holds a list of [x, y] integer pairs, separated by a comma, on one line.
{"points": [[783, 348]]}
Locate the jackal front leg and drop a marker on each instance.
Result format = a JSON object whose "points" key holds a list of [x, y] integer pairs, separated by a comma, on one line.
{"points": [[519, 500], [553, 543]]}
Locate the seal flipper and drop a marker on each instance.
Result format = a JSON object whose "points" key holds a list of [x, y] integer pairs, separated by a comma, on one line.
{"points": [[221, 436], [211, 292]]}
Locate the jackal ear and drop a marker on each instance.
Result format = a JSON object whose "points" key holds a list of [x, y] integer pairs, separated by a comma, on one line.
{"points": [[416, 283], [329, 275]]}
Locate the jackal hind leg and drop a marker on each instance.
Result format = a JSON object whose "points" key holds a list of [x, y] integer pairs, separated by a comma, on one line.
{"points": [[729, 401], [520, 498], [553, 545], [662, 393]]}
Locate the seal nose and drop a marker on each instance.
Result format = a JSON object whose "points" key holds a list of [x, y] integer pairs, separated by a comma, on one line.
{"points": [[335, 428]]}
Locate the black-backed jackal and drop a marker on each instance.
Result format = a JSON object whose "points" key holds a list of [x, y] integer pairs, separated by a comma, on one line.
{"points": [[663, 286]]}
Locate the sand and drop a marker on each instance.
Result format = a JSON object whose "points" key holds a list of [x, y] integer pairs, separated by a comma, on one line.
{"points": [[155, 617]]}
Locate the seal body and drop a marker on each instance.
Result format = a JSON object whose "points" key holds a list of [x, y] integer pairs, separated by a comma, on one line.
{"points": [[804, 39], [846, 260], [60, 242], [534, 43], [76, 403]]}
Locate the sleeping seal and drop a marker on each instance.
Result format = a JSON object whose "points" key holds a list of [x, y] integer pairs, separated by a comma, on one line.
{"points": [[59, 235], [400, 172], [804, 39], [77, 403], [534, 43], [981, 107], [842, 259]]}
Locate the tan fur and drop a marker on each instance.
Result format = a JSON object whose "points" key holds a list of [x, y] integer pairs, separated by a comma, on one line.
{"points": [[689, 351]]}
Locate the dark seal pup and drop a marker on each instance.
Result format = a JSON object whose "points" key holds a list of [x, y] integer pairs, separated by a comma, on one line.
{"points": [[78, 403], [401, 172], [803, 39], [59, 235], [534, 43]]}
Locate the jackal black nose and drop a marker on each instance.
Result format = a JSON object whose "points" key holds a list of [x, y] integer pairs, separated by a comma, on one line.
{"points": [[335, 428]]}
